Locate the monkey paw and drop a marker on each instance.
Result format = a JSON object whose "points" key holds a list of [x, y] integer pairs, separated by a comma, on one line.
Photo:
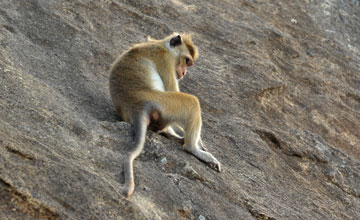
{"points": [[215, 165], [206, 157]]}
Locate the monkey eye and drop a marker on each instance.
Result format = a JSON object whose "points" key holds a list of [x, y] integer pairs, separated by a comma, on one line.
{"points": [[187, 60]]}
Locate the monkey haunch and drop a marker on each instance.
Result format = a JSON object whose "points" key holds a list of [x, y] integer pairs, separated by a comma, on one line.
{"points": [[145, 92]]}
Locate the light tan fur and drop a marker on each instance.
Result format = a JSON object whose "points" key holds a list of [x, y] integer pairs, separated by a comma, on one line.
{"points": [[138, 97]]}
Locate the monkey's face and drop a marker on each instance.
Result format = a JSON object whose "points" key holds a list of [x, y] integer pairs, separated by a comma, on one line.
{"points": [[181, 68], [184, 50]]}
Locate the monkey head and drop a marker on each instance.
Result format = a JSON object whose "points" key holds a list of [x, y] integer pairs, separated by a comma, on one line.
{"points": [[185, 52]]}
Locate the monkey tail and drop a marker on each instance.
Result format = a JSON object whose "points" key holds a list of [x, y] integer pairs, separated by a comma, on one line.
{"points": [[140, 132], [141, 124]]}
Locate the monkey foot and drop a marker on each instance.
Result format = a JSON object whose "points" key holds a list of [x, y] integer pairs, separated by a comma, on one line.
{"points": [[206, 157], [215, 166], [171, 137], [179, 140]]}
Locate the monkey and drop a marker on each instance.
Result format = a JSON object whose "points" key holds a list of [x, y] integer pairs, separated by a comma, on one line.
{"points": [[145, 92]]}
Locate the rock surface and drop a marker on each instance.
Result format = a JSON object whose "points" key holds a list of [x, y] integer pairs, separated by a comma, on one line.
{"points": [[279, 86]]}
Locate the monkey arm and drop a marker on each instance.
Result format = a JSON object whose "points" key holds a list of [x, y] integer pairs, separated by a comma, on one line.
{"points": [[169, 79]]}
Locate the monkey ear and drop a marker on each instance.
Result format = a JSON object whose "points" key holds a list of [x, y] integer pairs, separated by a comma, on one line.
{"points": [[175, 41]]}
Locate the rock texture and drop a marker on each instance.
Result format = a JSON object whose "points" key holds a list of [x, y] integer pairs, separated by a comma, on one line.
{"points": [[278, 82]]}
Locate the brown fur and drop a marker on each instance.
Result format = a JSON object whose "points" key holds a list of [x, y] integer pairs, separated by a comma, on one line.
{"points": [[137, 101]]}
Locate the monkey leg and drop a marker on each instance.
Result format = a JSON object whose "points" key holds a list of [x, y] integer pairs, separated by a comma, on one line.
{"points": [[184, 109], [171, 134], [202, 145], [170, 130]]}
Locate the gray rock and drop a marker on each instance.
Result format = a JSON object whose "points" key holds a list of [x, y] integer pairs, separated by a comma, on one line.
{"points": [[280, 102]]}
